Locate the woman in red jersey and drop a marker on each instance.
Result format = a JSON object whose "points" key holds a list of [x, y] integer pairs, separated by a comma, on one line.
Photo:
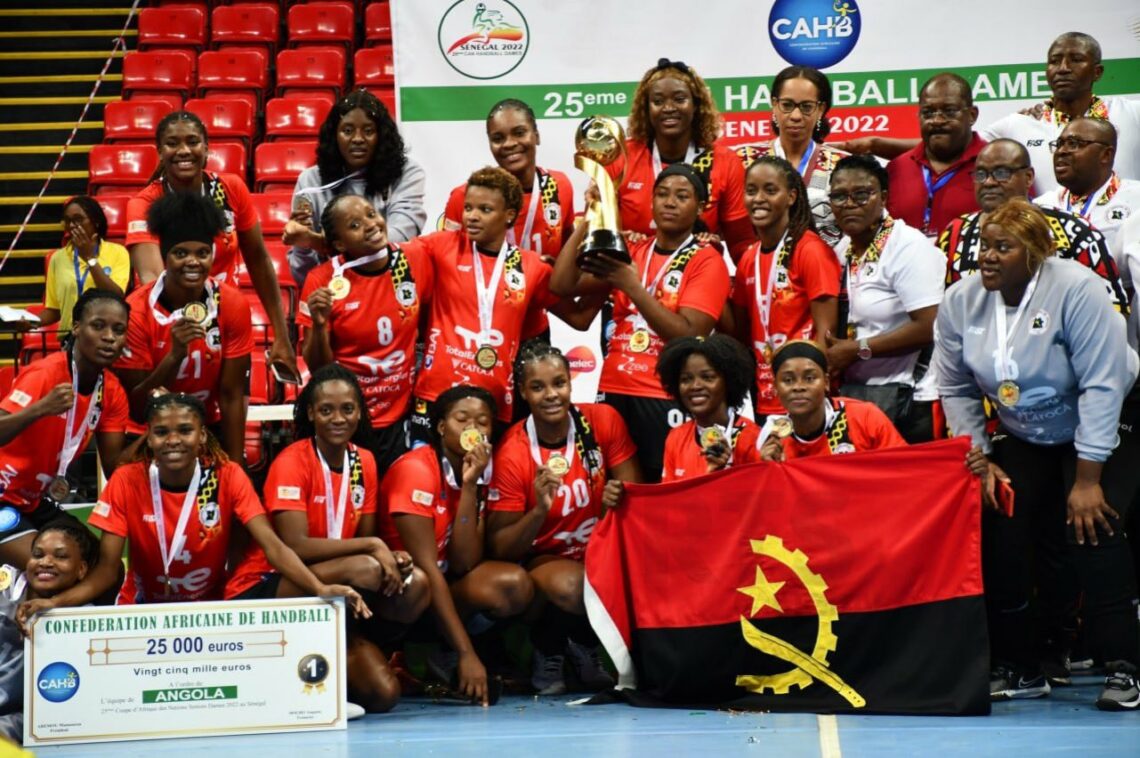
{"points": [[552, 475], [182, 150], [479, 312], [174, 509], [673, 119], [710, 377], [322, 491], [434, 499], [816, 424], [362, 309], [675, 286], [545, 220], [49, 415], [787, 283]]}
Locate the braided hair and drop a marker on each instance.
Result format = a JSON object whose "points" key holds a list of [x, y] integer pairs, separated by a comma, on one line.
{"points": [[213, 452], [303, 427], [530, 352], [800, 218]]}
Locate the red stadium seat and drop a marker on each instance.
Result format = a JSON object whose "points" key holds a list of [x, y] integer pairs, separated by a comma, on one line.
{"points": [[228, 158], [115, 209], [170, 72], [122, 167], [374, 67], [241, 74], [277, 164], [225, 118], [377, 23], [295, 117], [310, 70], [273, 209], [245, 25], [37, 343], [321, 24], [133, 120], [179, 27]]}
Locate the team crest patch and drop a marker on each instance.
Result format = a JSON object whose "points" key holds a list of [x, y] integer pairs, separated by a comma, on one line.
{"points": [[214, 339], [781, 278], [869, 270], [843, 448], [553, 214], [358, 496], [209, 514], [515, 280], [406, 294], [672, 282], [1118, 214], [1040, 322]]}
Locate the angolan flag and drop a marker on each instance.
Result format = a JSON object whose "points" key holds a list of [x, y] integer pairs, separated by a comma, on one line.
{"points": [[843, 583]]}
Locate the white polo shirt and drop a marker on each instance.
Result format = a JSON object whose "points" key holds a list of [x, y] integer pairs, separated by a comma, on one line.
{"points": [[1109, 207]]}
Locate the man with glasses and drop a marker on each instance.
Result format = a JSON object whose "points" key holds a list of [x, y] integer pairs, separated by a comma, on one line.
{"points": [[1002, 172], [931, 183]]}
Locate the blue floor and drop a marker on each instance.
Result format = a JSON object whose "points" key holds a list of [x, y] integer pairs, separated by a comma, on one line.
{"points": [[1066, 722]]}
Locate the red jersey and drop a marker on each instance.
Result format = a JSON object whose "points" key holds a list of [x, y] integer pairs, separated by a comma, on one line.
{"points": [[720, 166], [683, 456], [553, 220], [811, 272], [373, 330], [415, 485], [30, 461], [230, 335], [233, 198], [930, 202], [296, 483], [699, 281], [198, 571], [851, 426], [578, 503], [453, 336]]}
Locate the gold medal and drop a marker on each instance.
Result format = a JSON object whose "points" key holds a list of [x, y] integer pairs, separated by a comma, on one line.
{"points": [[486, 357], [639, 341], [1008, 393], [558, 464], [195, 312], [782, 427], [767, 351], [59, 489], [711, 437], [339, 286], [471, 438]]}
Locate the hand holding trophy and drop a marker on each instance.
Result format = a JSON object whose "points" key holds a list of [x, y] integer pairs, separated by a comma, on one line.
{"points": [[599, 142]]}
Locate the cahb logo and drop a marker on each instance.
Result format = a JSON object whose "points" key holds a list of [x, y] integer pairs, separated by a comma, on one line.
{"points": [[581, 360], [58, 681], [817, 33], [483, 40]]}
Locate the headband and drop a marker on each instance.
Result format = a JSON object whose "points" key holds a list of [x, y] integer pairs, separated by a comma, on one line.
{"points": [[798, 349], [685, 170], [664, 63]]}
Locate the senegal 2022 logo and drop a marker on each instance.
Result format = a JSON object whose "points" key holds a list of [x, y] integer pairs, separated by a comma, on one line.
{"points": [[483, 40], [817, 33]]}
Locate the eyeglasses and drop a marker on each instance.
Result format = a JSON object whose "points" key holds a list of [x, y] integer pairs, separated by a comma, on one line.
{"points": [[807, 107], [1074, 143], [1001, 174], [859, 197], [947, 114]]}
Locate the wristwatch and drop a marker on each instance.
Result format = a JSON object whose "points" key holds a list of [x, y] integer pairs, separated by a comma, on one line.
{"points": [[864, 352], [92, 263]]}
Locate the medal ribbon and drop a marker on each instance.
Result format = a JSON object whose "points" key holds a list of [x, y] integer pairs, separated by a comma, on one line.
{"points": [[485, 293], [1004, 369], [536, 454], [765, 296], [690, 154], [870, 255], [178, 540], [639, 322], [528, 225], [212, 298], [931, 189], [334, 516], [348, 265], [72, 436]]}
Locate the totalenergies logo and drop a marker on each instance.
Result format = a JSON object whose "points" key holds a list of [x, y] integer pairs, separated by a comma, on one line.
{"points": [[817, 33], [581, 360], [483, 40]]}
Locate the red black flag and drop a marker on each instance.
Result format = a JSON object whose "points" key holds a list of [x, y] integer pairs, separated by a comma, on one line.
{"points": [[847, 583]]}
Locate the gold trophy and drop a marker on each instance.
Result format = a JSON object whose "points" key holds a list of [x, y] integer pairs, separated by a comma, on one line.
{"points": [[599, 142]]}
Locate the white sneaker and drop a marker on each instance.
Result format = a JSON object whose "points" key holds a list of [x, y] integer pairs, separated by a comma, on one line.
{"points": [[353, 711], [546, 676], [588, 665]]}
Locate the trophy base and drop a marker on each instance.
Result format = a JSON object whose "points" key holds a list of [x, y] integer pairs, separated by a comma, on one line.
{"points": [[605, 241]]}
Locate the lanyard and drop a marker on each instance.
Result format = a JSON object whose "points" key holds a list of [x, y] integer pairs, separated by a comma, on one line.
{"points": [[528, 225], [1003, 335], [163, 320], [346, 265], [334, 516], [485, 293], [1088, 201], [639, 321], [171, 551], [690, 154], [71, 439], [82, 280], [931, 188], [536, 454], [806, 159], [764, 296]]}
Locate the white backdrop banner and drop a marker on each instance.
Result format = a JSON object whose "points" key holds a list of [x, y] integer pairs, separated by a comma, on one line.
{"points": [[454, 60]]}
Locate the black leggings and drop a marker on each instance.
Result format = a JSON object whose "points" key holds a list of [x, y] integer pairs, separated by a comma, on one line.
{"points": [[1036, 550]]}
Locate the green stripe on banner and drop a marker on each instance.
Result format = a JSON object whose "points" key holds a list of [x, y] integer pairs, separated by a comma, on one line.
{"points": [[1024, 81]]}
